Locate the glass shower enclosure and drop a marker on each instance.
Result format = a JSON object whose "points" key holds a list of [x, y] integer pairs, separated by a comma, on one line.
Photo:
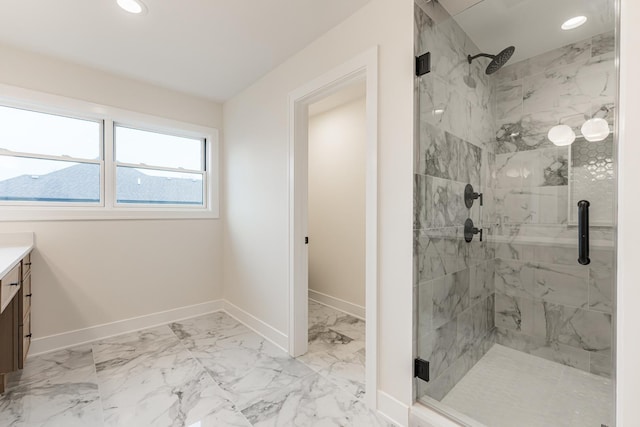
{"points": [[514, 211]]}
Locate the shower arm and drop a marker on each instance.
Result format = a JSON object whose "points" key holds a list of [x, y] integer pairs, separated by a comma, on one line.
{"points": [[486, 55]]}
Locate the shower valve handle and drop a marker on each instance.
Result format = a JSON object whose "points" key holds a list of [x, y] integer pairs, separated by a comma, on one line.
{"points": [[470, 230], [470, 195]]}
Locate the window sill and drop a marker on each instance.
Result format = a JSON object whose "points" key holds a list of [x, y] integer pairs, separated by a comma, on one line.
{"points": [[101, 214]]}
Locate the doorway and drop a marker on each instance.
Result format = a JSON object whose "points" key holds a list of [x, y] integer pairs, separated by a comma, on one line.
{"points": [[361, 72]]}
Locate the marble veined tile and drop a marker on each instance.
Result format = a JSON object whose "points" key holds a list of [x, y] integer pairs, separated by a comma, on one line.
{"points": [[541, 347], [445, 204], [559, 87], [438, 203], [245, 365], [313, 401], [424, 307], [509, 98], [600, 363], [438, 153], [438, 387], [349, 326], [469, 163], [338, 358], [534, 205], [601, 280], [322, 317], [481, 281], [135, 347], [560, 284], [176, 390], [603, 44], [57, 389], [336, 348], [574, 53], [589, 330], [437, 252], [450, 297], [508, 312], [514, 278], [533, 168], [204, 331], [57, 366], [439, 347]]}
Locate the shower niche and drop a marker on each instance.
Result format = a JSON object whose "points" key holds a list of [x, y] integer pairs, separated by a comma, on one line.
{"points": [[514, 126]]}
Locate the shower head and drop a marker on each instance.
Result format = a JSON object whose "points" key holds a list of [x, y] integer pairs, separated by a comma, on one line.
{"points": [[497, 61]]}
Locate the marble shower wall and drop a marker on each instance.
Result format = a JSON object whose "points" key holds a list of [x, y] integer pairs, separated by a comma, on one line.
{"points": [[453, 280], [546, 303]]}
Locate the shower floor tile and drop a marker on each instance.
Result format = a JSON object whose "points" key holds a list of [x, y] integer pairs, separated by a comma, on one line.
{"points": [[509, 388]]}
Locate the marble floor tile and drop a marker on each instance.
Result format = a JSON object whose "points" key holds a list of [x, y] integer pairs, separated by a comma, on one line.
{"points": [[206, 371], [56, 389], [337, 348], [181, 393], [245, 365], [313, 401], [149, 378], [507, 387]]}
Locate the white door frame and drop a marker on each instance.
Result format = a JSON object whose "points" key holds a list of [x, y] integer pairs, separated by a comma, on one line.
{"points": [[362, 67]]}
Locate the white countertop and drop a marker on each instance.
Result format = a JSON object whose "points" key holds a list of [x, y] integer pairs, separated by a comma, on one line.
{"points": [[13, 247]]}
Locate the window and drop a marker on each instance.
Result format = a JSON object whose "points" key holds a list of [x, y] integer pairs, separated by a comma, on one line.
{"points": [[49, 158], [158, 169], [67, 159]]}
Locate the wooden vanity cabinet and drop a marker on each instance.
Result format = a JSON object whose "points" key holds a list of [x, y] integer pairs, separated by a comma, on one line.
{"points": [[15, 319], [24, 299]]}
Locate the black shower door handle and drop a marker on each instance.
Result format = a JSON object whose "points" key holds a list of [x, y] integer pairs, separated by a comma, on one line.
{"points": [[583, 232]]}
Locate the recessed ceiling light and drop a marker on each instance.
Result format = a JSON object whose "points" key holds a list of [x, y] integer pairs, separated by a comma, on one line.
{"points": [[573, 23], [132, 6]]}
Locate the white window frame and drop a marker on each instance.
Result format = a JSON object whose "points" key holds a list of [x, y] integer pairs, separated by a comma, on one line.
{"points": [[108, 209], [203, 172], [29, 155]]}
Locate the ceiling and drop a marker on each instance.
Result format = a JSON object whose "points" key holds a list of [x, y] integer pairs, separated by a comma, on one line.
{"points": [[209, 48], [532, 26]]}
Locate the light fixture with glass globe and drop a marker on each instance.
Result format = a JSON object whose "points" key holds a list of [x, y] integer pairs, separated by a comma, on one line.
{"points": [[561, 135], [595, 129]]}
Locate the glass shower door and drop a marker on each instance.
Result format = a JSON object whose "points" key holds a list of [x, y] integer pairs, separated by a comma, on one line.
{"points": [[516, 328]]}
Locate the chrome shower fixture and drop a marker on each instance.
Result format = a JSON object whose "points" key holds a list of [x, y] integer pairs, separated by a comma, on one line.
{"points": [[497, 61]]}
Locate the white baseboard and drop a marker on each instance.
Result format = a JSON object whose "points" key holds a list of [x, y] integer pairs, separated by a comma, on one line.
{"points": [[82, 336], [93, 333], [339, 304], [261, 328], [392, 409]]}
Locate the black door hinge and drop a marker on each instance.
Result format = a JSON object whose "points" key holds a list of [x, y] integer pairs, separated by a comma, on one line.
{"points": [[306, 240], [421, 369], [423, 64]]}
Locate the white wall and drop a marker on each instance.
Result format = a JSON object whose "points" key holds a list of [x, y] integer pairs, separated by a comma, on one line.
{"points": [[337, 202], [87, 273], [628, 315], [256, 181]]}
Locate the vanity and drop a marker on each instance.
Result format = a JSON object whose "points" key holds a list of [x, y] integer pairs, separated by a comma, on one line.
{"points": [[15, 302]]}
